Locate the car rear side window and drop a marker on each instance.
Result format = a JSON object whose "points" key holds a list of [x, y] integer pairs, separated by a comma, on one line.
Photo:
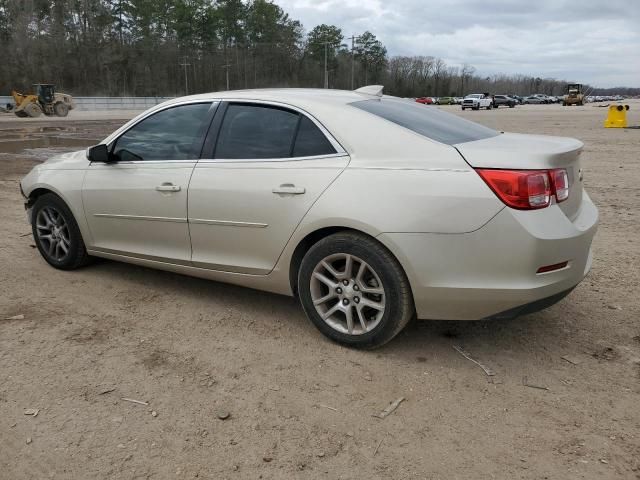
{"points": [[429, 122], [310, 141], [171, 134], [251, 131]]}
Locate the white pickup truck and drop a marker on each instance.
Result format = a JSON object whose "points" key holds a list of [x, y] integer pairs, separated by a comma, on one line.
{"points": [[476, 101]]}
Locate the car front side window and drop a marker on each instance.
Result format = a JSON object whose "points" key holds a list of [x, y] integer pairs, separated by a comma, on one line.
{"points": [[171, 134]]}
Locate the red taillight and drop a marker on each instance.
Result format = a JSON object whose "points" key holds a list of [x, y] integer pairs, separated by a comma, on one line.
{"points": [[560, 182], [527, 189], [521, 189]]}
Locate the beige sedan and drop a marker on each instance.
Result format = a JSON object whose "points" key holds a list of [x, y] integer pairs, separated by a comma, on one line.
{"points": [[371, 209]]}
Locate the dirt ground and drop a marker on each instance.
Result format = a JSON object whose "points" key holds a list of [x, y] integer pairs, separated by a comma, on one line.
{"points": [[300, 406]]}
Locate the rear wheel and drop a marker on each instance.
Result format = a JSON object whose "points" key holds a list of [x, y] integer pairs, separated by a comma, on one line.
{"points": [[56, 233], [61, 109], [354, 291]]}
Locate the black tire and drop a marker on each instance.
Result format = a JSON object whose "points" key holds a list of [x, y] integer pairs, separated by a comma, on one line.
{"points": [[462, 108], [61, 109], [399, 307], [33, 110], [76, 255]]}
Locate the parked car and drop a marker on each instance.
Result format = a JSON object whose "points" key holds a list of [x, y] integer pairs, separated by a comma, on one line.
{"points": [[532, 99], [426, 100], [503, 100], [476, 101], [545, 99], [446, 101], [435, 216], [458, 100], [517, 98]]}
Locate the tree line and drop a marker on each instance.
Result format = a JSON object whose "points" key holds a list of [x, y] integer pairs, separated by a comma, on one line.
{"points": [[173, 47]]}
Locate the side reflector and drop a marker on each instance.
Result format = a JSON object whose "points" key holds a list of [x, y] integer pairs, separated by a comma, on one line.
{"points": [[551, 268]]}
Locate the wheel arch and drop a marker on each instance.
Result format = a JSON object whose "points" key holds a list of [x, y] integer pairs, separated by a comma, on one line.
{"points": [[314, 237], [38, 192]]}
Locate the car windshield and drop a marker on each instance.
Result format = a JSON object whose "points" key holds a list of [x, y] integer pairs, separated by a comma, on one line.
{"points": [[429, 122]]}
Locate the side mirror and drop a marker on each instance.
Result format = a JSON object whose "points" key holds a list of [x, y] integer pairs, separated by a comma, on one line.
{"points": [[98, 153]]}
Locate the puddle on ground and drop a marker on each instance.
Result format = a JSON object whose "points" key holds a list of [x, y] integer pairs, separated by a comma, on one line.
{"points": [[42, 142], [19, 146]]}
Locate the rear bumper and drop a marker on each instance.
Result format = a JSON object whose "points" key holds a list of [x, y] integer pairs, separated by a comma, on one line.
{"points": [[532, 307], [492, 271]]}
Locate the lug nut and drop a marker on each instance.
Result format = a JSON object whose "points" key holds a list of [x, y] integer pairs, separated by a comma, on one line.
{"points": [[345, 302], [356, 299], [339, 291], [356, 288], [345, 282]]}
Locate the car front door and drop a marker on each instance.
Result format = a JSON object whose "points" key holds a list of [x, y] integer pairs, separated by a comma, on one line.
{"points": [[136, 205], [266, 166]]}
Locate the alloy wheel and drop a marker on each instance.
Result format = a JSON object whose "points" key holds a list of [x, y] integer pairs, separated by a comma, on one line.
{"points": [[348, 294], [53, 233]]}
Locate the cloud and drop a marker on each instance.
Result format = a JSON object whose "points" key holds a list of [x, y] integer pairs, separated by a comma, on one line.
{"points": [[595, 42]]}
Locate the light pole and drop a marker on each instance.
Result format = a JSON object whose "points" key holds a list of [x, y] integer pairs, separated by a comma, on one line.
{"points": [[353, 38], [185, 65], [326, 72], [226, 67]]}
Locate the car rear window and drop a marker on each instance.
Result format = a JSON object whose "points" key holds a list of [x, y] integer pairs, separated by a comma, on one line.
{"points": [[429, 122]]}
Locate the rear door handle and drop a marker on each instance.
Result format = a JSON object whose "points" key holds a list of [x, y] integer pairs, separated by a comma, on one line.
{"points": [[168, 187], [289, 189]]}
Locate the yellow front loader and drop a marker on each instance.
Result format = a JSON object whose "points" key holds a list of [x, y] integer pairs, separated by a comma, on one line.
{"points": [[45, 100]]}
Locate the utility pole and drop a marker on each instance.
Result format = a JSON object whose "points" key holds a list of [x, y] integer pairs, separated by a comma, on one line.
{"points": [[326, 72], [186, 82], [226, 67], [353, 38]]}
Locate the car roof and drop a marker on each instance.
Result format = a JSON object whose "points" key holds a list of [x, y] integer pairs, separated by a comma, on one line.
{"points": [[308, 97], [360, 133]]}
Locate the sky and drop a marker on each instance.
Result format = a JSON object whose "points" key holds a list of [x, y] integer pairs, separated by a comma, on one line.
{"points": [[586, 41]]}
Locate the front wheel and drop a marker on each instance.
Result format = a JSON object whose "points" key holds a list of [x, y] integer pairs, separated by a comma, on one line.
{"points": [[57, 234], [354, 291]]}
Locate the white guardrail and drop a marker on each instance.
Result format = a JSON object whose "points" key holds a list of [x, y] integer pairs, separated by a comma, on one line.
{"points": [[108, 103]]}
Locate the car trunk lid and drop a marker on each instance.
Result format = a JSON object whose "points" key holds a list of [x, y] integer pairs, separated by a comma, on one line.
{"points": [[513, 151]]}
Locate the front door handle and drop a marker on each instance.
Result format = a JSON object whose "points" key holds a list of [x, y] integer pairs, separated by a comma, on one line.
{"points": [[168, 187], [289, 189]]}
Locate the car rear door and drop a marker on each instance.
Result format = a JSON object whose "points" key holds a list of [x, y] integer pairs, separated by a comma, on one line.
{"points": [[136, 205], [264, 167]]}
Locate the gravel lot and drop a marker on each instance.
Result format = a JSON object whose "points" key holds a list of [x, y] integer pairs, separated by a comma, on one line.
{"points": [[298, 405]]}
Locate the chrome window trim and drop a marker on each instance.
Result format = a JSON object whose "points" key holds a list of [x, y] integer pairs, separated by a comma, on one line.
{"points": [[261, 160], [340, 150], [143, 162]]}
